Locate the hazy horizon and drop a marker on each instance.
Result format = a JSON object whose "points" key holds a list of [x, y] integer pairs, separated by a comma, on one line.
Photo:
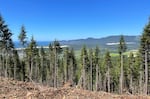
{"points": [[77, 38]]}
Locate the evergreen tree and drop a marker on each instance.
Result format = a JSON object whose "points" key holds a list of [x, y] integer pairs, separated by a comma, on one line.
{"points": [[121, 49], [108, 64], [70, 67], [131, 67], [145, 52], [139, 73], [22, 37], [66, 65], [85, 68], [115, 74], [23, 41], [31, 53], [97, 74], [136, 70], [42, 71], [51, 65], [74, 66], [91, 56], [56, 50], [17, 73], [6, 45]]}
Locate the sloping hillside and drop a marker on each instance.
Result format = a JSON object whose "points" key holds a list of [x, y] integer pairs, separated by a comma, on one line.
{"points": [[109, 42], [12, 89]]}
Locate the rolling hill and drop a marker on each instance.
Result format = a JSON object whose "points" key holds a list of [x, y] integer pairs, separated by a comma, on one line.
{"points": [[110, 42]]}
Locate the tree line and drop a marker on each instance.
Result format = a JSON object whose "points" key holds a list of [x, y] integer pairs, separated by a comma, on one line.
{"points": [[92, 70]]}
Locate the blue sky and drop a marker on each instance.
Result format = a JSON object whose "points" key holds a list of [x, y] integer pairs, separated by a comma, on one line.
{"points": [[47, 20]]}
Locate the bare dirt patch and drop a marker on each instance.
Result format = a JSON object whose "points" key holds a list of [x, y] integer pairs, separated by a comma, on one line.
{"points": [[12, 89]]}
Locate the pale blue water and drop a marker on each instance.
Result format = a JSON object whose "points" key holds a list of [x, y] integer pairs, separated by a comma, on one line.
{"points": [[39, 43]]}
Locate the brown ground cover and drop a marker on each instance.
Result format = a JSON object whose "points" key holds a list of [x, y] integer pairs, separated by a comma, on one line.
{"points": [[12, 89]]}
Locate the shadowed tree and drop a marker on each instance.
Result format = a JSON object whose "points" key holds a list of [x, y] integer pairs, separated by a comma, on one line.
{"points": [[17, 73], [108, 64], [97, 74], [6, 46], [91, 56], [74, 66]]}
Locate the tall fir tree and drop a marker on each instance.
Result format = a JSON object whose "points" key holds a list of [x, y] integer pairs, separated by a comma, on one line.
{"points": [[84, 68], [66, 65], [108, 64], [74, 66], [23, 41], [91, 57], [131, 67], [121, 49], [23, 37], [6, 45], [56, 49], [97, 73], [145, 52], [42, 70]]}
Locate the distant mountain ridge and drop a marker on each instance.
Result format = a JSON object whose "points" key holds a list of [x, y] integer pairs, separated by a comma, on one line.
{"points": [[104, 43], [110, 42]]}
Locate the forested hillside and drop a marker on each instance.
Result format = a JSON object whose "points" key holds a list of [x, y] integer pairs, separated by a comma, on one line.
{"points": [[110, 42], [91, 71]]}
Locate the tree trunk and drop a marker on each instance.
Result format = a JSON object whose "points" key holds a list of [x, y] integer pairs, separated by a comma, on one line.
{"points": [[15, 65], [131, 84], [41, 73], [31, 69], [146, 72], [37, 74], [121, 75], [140, 81], [6, 66], [108, 78], [97, 80], [51, 69], [91, 74], [84, 76], [71, 71], [65, 70], [104, 82], [1, 65], [55, 70], [100, 80]]}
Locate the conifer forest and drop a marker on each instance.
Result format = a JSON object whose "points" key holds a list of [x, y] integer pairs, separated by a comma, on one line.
{"points": [[91, 70]]}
